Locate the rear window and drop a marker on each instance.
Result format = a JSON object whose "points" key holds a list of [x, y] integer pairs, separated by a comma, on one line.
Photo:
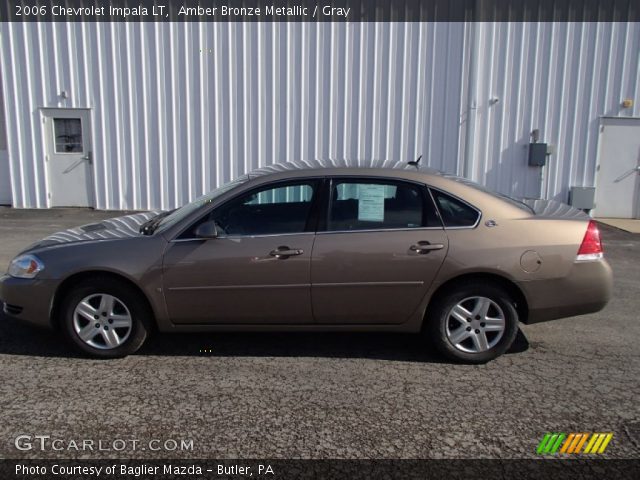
{"points": [[513, 201], [454, 212]]}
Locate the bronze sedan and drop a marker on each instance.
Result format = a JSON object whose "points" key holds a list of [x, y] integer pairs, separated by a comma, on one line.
{"points": [[315, 246]]}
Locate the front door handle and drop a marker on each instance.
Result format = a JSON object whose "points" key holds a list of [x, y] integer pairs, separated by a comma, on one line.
{"points": [[423, 247], [285, 252]]}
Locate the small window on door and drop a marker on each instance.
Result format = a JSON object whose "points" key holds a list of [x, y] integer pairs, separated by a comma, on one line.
{"points": [[378, 205], [454, 212], [68, 135], [268, 211]]}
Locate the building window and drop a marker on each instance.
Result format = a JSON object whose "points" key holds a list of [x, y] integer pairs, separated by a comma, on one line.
{"points": [[68, 135]]}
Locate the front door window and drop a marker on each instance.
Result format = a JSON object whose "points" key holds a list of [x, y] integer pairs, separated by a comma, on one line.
{"points": [[271, 210]]}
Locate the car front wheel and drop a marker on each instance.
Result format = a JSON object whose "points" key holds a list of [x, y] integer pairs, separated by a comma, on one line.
{"points": [[473, 323], [105, 319]]}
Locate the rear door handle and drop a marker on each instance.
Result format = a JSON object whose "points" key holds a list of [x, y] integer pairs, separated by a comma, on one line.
{"points": [[423, 247], [285, 252]]}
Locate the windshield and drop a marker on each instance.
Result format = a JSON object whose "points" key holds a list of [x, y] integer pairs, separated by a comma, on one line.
{"points": [[501, 196], [183, 212]]}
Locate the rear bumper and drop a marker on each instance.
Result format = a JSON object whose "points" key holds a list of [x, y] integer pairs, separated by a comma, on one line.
{"points": [[27, 299], [587, 289]]}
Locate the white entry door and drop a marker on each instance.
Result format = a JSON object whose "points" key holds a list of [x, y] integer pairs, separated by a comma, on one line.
{"points": [[68, 156], [618, 170]]}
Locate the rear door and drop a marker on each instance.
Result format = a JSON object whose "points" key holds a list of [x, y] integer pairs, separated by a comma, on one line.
{"points": [[382, 247], [256, 271]]}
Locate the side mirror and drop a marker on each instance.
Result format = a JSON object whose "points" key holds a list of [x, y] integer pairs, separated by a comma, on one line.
{"points": [[207, 229]]}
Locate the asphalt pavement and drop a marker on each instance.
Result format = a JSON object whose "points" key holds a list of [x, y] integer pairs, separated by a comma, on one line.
{"points": [[319, 395]]}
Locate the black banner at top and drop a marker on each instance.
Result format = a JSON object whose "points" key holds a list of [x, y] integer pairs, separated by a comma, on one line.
{"points": [[319, 10]]}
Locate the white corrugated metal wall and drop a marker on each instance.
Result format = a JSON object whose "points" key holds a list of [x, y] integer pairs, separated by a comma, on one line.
{"points": [[180, 108], [559, 78], [5, 175]]}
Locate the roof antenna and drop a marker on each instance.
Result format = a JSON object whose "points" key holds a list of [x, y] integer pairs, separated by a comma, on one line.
{"points": [[414, 163]]}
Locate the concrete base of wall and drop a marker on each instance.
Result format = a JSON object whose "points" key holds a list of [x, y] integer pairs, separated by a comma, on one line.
{"points": [[5, 179]]}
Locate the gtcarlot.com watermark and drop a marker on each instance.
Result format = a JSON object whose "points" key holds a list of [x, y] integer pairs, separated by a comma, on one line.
{"points": [[47, 443]]}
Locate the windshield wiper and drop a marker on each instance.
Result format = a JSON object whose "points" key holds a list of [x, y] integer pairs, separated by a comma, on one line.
{"points": [[148, 227]]}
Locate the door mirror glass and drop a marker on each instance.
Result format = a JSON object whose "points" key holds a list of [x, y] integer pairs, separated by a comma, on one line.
{"points": [[207, 229]]}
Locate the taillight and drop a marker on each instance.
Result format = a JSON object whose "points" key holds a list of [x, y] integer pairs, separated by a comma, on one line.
{"points": [[591, 247]]}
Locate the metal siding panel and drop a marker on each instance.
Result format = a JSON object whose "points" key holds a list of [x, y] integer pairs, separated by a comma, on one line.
{"points": [[35, 151], [14, 150], [559, 78], [170, 121], [205, 130], [134, 158]]}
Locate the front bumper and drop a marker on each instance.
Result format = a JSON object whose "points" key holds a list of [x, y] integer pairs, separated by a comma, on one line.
{"points": [[27, 299], [586, 289]]}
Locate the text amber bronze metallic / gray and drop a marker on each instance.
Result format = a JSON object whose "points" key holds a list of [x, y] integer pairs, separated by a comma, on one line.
{"points": [[319, 246]]}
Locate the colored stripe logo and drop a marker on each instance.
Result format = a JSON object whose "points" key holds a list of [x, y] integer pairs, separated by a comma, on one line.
{"points": [[572, 443]]}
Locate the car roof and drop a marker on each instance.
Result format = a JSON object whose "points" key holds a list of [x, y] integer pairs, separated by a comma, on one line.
{"points": [[332, 167]]}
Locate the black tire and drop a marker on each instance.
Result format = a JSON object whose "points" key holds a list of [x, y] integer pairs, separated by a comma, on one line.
{"points": [[128, 303], [439, 321]]}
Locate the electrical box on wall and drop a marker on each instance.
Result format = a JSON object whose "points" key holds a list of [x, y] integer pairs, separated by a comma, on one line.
{"points": [[537, 154], [582, 197]]}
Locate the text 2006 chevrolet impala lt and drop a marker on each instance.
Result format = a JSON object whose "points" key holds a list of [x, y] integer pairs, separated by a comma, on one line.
{"points": [[312, 246]]}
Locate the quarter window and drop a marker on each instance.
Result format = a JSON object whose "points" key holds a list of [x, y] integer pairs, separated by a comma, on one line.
{"points": [[369, 205], [454, 212]]}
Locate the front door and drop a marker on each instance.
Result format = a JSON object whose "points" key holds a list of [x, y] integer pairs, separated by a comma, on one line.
{"points": [[256, 271], [381, 250], [68, 157], [618, 170]]}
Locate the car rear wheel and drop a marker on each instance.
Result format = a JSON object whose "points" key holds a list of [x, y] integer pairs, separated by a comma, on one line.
{"points": [[105, 319], [473, 323]]}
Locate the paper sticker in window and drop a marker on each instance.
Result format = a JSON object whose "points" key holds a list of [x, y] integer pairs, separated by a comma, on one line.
{"points": [[371, 203]]}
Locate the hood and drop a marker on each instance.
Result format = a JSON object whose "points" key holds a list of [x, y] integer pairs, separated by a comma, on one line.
{"points": [[113, 228], [555, 209]]}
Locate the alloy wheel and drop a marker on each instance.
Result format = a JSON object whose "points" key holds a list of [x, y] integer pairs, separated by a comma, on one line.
{"points": [[475, 324], [102, 321]]}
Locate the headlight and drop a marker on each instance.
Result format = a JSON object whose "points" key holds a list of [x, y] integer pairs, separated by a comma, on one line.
{"points": [[25, 266]]}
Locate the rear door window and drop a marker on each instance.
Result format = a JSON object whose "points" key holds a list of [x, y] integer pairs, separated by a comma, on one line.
{"points": [[378, 204]]}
